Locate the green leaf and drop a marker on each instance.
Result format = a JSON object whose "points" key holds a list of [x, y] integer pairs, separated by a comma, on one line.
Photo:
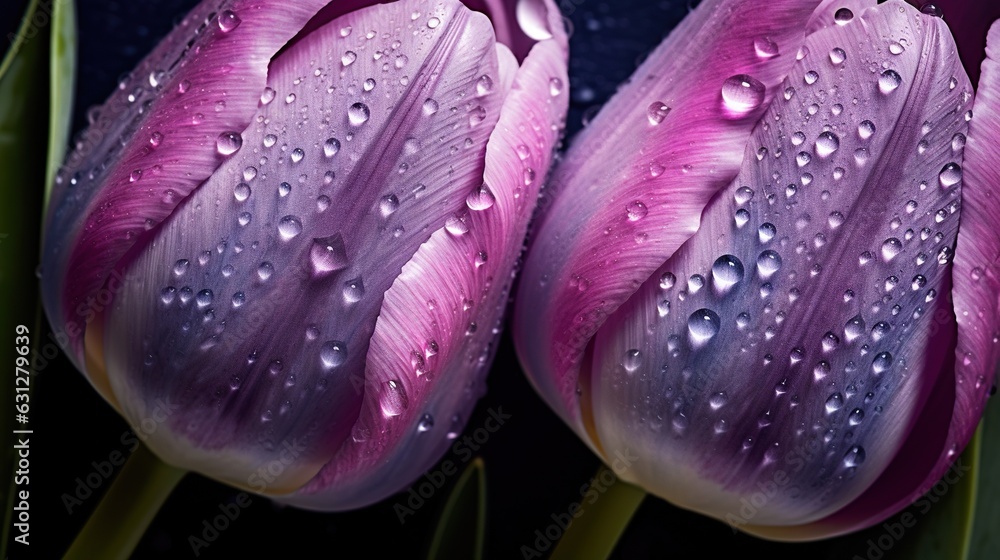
{"points": [[62, 75], [461, 532], [984, 539], [35, 105]]}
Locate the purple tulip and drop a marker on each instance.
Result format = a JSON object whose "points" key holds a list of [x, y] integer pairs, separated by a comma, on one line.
{"points": [[770, 270], [285, 243]]}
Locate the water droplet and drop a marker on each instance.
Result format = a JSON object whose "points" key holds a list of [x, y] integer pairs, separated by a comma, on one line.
{"points": [[834, 402], [204, 298], [766, 232], [768, 262], [228, 20], [890, 248], [703, 324], [333, 353], [328, 254], [742, 217], [425, 424], [765, 47], [958, 142], [854, 328], [718, 400], [837, 56], [810, 77], [228, 143], [430, 107], [348, 58], [433, 22], [289, 227], [241, 192], [726, 272], [393, 399], [931, 10], [636, 211], [656, 112], [888, 81], [555, 86], [950, 174], [481, 198], [830, 342], [881, 363], [181, 266], [854, 457], [358, 114], [265, 270], [896, 48], [742, 93], [239, 298], [842, 16], [632, 360], [826, 144], [354, 290]]}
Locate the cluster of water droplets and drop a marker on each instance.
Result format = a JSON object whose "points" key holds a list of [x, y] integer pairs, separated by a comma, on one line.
{"points": [[827, 315]]}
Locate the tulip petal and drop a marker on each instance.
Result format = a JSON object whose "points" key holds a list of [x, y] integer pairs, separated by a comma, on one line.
{"points": [[816, 273], [631, 188], [977, 259], [254, 303], [156, 136], [439, 320], [961, 394], [833, 12]]}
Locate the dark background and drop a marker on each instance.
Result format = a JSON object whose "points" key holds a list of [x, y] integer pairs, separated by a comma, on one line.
{"points": [[535, 466]]}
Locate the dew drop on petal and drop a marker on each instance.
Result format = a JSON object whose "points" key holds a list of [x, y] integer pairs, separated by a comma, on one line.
{"points": [[333, 353], [742, 93], [703, 324], [228, 143], [888, 81], [328, 254], [392, 398]]}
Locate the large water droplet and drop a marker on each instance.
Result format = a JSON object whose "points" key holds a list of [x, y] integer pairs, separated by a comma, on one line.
{"points": [[950, 174], [854, 457], [656, 112], [834, 402], [890, 248], [726, 272], [392, 398], [742, 93], [328, 254], [358, 114], [768, 262], [636, 211], [826, 144], [632, 360], [703, 324], [228, 143], [354, 290], [765, 47], [481, 198], [333, 353], [289, 227], [854, 328], [888, 81], [881, 363], [228, 20]]}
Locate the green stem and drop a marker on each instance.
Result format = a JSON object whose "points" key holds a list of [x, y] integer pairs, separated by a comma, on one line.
{"points": [[597, 526], [127, 509]]}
